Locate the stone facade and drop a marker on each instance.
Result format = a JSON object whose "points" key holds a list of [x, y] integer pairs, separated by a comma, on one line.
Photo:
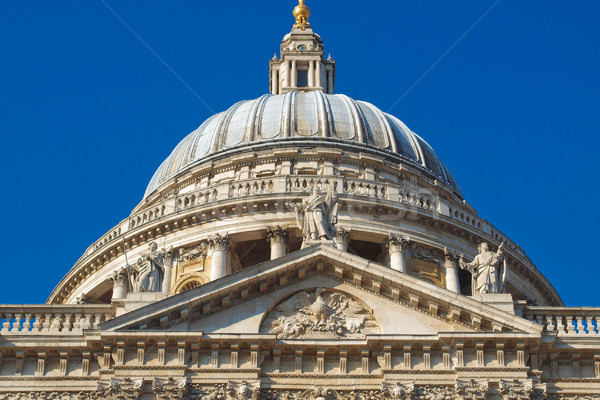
{"points": [[316, 250]]}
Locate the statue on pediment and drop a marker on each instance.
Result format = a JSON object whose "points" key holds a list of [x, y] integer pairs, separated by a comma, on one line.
{"points": [[320, 314], [488, 269], [147, 274], [317, 215]]}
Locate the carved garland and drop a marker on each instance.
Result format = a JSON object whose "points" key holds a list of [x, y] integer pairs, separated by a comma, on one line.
{"points": [[172, 389]]}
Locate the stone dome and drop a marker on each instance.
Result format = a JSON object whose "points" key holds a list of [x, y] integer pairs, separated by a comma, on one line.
{"points": [[305, 116]]}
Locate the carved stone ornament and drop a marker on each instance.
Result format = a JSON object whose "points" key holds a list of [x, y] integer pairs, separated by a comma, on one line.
{"points": [[388, 391], [278, 234], [219, 242], [396, 243], [398, 390], [232, 390], [83, 299], [320, 314], [472, 389], [193, 253], [434, 393], [342, 235], [170, 389], [516, 390], [429, 255], [117, 389]]}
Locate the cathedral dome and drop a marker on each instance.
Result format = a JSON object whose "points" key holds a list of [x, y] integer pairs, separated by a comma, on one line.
{"points": [[231, 196], [308, 116]]}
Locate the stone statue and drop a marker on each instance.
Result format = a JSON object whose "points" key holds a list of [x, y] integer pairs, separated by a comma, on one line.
{"points": [[148, 273], [487, 277], [317, 215]]}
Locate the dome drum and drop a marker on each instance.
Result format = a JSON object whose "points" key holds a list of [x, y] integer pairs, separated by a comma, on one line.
{"points": [[242, 194]]}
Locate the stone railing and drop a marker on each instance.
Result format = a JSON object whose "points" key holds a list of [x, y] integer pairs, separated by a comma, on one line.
{"points": [[303, 183], [108, 237], [51, 319], [365, 188], [197, 198], [251, 187], [463, 215], [146, 216], [424, 200], [571, 321]]}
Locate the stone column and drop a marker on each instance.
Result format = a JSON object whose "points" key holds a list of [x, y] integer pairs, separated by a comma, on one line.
{"points": [[278, 238], [451, 267], [294, 80], [341, 238], [275, 81], [287, 79], [119, 281], [396, 246], [311, 73], [168, 259], [318, 74], [330, 82], [219, 246]]}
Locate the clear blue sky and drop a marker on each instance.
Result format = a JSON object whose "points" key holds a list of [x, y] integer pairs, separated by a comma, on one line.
{"points": [[87, 113]]}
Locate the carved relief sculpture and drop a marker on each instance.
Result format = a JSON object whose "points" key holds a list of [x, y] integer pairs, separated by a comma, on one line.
{"points": [[317, 215], [489, 270], [321, 314], [192, 253]]}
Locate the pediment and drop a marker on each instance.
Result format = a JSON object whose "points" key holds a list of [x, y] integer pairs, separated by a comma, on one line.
{"points": [[359, 298]]}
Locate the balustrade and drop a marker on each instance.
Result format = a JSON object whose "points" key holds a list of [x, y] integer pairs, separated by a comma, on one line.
{"points": [[423, 200], [365, 188], [306, 183], [251, 187], [52, 319], [565, 321], [197, 198]]}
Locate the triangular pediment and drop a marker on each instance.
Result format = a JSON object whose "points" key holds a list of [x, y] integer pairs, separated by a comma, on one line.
{"points": [[359, 298]]}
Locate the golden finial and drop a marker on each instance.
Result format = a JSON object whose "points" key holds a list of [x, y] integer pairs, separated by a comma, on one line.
{"points": [[301, 13]]}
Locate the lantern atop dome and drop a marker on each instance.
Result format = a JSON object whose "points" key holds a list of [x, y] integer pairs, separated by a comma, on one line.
{"points": [[302, 66]]}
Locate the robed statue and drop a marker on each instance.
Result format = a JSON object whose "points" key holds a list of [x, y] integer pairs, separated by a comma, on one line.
{"points": [[148, 273], [317, 215], [488, 270]]}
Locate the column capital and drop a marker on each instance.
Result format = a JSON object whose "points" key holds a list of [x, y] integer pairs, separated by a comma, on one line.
{"points": [[396, 243], [219, 242], [451, 256], [119, 276], [342, 235], [278, 234]]}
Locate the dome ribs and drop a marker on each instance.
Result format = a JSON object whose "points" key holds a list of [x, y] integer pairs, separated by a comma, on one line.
{"points": [[357, 121], [323, 114], [254, 120], [312, 115]]}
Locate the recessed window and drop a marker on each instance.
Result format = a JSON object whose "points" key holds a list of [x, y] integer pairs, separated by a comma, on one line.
{"points": [[302, 78]]}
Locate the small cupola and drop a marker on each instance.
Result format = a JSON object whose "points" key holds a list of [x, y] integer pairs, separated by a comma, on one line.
{"points": [[302, 66]]}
